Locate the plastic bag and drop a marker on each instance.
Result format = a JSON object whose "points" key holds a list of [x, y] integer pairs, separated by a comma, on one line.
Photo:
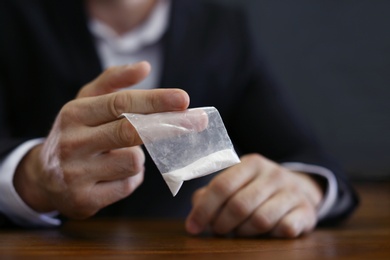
{"points": [[185, 145]]}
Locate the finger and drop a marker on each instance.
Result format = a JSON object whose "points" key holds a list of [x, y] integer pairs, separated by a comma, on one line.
{"points": [[106, 108], [103, 138], [267, 215], [220, 189], [115, 78], [117, 164], [121, 133], [110, 192], [191, 120], [198, 194], [244, 204], [301, 219], [159, 126]]}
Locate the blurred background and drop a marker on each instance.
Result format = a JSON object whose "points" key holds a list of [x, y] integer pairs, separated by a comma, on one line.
{"points": [[334, 58]]}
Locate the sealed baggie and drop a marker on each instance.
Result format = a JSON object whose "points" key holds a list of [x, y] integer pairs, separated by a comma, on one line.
{"points": [[186, 144]]}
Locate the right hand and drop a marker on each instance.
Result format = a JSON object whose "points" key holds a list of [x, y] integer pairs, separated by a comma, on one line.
{"points": [[91, 158]]}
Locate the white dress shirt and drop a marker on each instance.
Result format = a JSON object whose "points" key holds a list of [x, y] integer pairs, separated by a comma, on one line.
{"points": [[140, 44]]}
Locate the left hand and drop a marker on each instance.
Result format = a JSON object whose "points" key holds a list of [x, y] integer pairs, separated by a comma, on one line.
{"points": [[256, 197]]}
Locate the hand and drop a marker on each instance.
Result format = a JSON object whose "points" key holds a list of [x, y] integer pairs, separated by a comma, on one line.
{"points": [[256, 197], [91, 158]]}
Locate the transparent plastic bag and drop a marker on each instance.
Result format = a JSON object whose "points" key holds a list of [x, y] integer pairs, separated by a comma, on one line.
{"points": [[185, 145]]}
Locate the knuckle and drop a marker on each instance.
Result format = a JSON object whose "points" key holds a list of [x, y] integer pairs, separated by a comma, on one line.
{"points": [[119, 169], [133, 164], [262, 222], [222, 186], [125, 134], [259, 162], [154, 101], [254, 158], [295, 188], [119, 103], [68, 114], [279, 178], [239, 208]]}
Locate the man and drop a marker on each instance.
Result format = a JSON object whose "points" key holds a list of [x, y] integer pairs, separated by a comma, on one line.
{"points": [[91, 163]]}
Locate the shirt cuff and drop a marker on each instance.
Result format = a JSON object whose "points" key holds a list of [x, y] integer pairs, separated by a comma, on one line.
{"points": [[330, 195], [11, 204]]}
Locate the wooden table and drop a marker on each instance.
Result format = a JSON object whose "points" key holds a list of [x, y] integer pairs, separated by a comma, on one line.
{"points": [[365, 236]]}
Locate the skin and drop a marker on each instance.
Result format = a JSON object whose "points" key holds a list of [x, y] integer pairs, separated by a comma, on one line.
{"points": [[91, 159], [256, 197]]}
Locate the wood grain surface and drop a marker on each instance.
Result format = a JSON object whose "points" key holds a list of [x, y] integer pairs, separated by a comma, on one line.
{"points": [[365, 236]]}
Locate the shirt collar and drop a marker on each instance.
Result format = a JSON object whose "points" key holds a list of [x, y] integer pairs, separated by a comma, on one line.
{"points": [[147, 33]]}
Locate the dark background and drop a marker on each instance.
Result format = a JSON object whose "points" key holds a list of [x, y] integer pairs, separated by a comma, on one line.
{"points": [[334, 58]]}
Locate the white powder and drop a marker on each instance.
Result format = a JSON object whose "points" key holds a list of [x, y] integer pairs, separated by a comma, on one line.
{"points": [[203, 166]]}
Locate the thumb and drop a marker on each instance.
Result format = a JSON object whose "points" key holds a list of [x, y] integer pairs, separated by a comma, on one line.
{"points": [[115, 78]]}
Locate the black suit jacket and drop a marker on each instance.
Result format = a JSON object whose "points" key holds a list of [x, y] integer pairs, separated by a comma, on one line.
{"points": [[47, 54]]}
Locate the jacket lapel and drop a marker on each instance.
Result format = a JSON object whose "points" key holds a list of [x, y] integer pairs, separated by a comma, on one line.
{"points": [[72, 24]]}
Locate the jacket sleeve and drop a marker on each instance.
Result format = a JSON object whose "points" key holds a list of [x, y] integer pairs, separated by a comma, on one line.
{"points": [[7, 143]]}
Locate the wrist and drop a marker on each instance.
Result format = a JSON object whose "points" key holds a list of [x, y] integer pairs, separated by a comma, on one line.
{"points": [[26, 182]]}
